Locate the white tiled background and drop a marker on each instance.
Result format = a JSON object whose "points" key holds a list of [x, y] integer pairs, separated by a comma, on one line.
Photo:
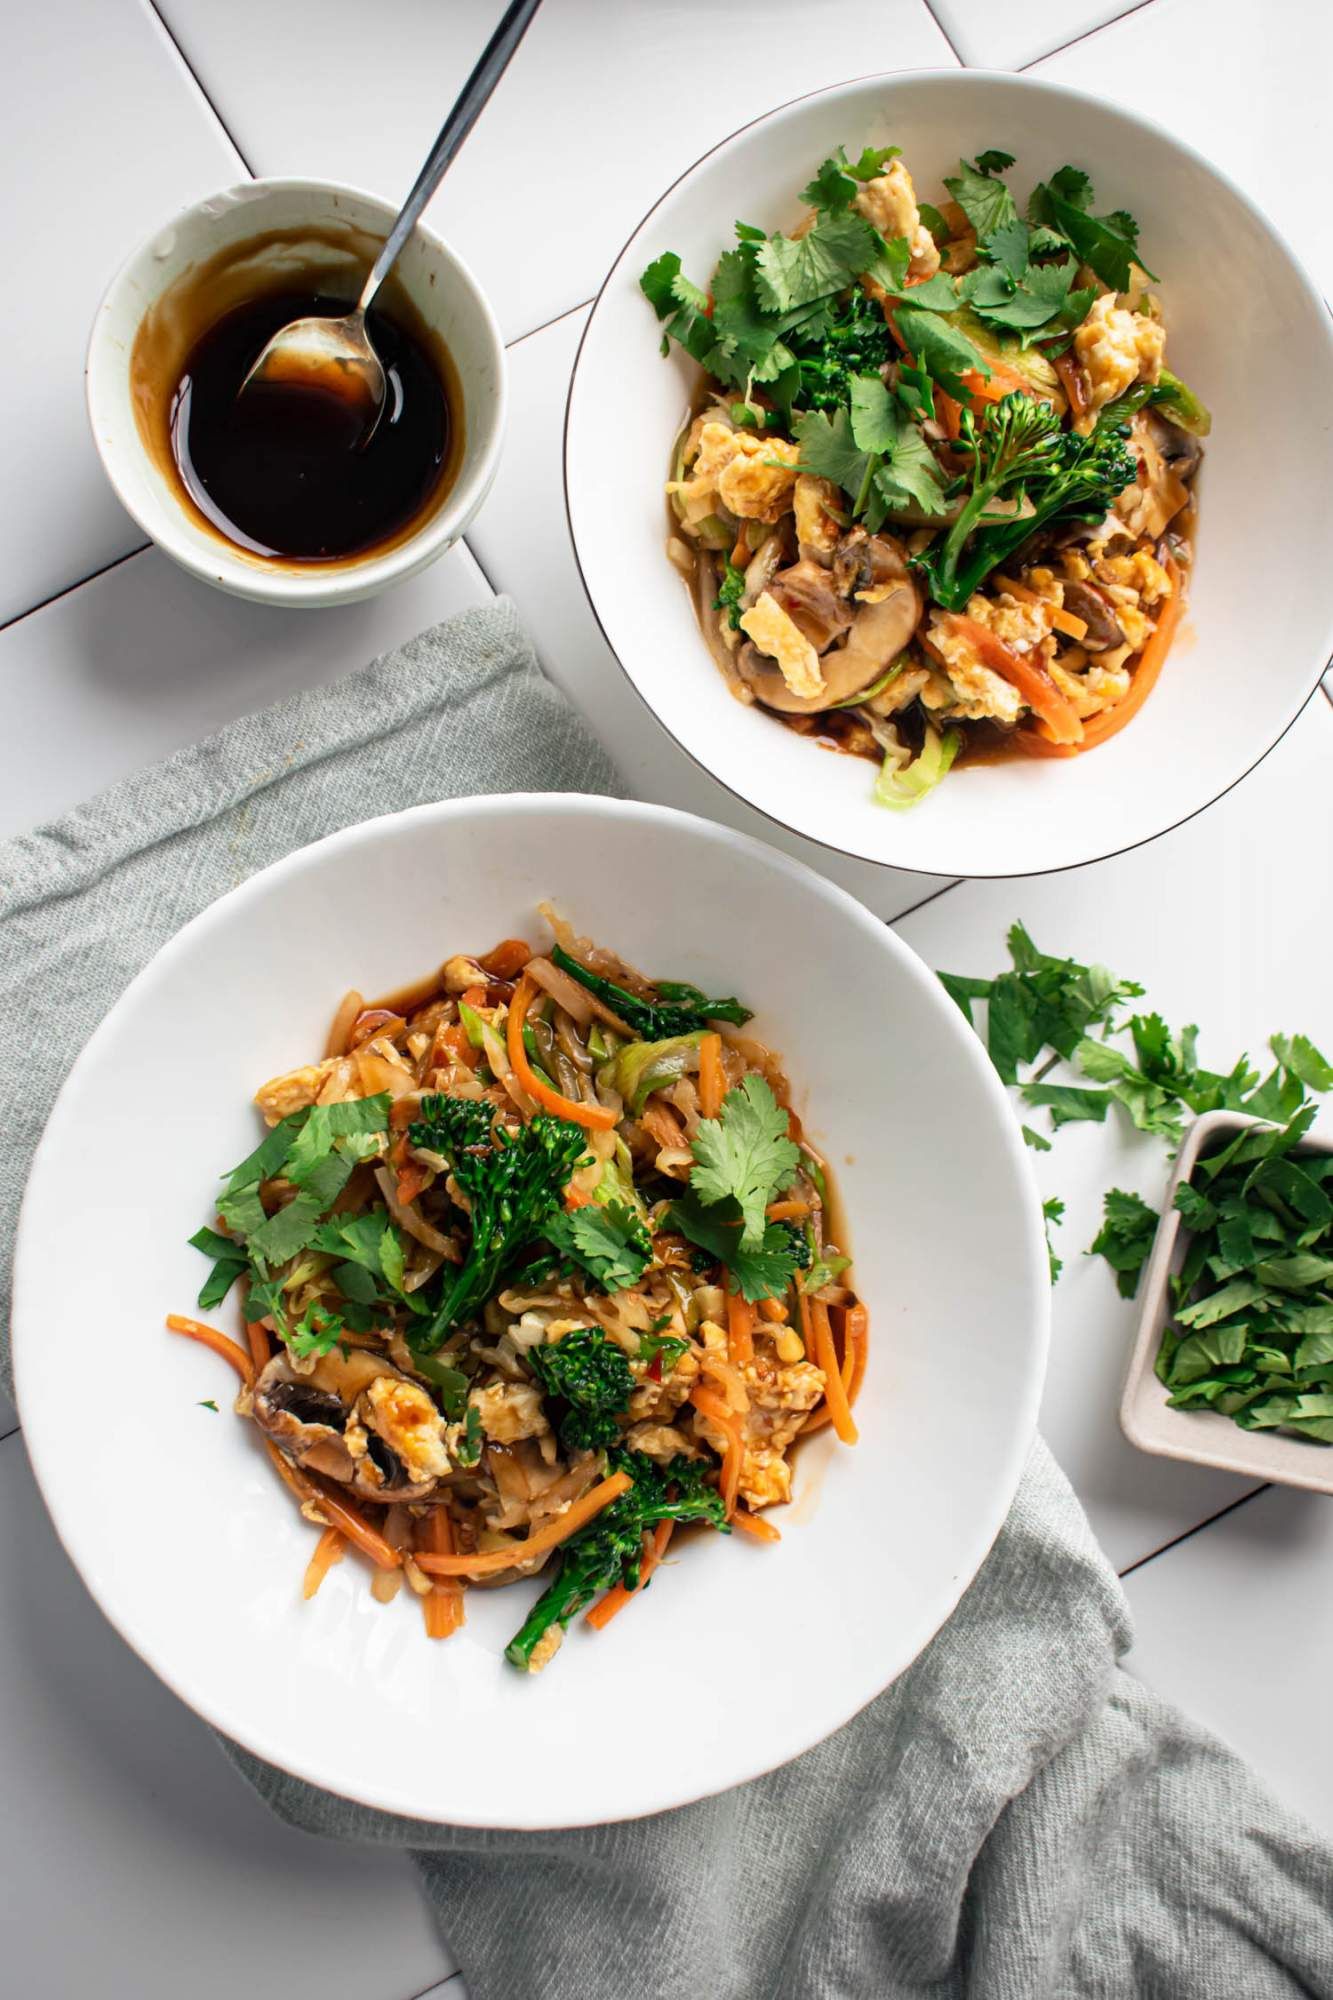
{"points": [[129, 1851]]}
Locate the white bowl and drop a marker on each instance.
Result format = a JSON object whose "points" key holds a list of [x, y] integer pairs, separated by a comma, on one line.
{"points": [[1241, 313], [174, 1516], [351, 226]]}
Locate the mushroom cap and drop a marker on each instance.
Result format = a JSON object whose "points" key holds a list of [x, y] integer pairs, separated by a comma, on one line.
{"points": [[326, 1421]]}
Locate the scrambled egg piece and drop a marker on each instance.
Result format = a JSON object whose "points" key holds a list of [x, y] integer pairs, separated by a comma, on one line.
{"points": [[979, 692], [731, 468], [294, 1091], [659, 1441], [510, 1411], [410, 1425], [1116, 348], [1091, 690], [816, 527], [776, 634], [889, 202], [780, 1401], [902, 691], [1141, 573]]}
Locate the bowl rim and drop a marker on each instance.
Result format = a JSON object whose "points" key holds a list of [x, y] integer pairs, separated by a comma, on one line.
{"points": [[1039, 86], [66, 1513], [339, 584], [1205, 1437]]}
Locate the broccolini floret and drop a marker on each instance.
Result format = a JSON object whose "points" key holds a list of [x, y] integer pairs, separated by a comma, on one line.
{"points": [[589, 1373], [610, 1549], [514, 1182], [1021, 457]]}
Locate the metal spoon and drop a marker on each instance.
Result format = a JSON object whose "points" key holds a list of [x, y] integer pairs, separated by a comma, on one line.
{"points": [[337, 355]]}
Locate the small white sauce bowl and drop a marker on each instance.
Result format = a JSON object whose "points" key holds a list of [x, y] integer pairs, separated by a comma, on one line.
{"points": [[436, 282]]}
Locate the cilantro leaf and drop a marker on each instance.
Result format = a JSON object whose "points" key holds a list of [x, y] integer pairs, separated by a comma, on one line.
{"points": [[611, 1243], [729, 595], [763, 1271], [907, 472], [745, 1155], [940, 349], [829, 450], [1125, 1237], [1010, 246], [230, 1261], [1041, 298], [1034, 1139], [794, 270], [1053, 1214], [984, 200], [1067, 1104], [993, 162], [316, 1332], [355, 1128], [1298, 1054], [1109, 243]]}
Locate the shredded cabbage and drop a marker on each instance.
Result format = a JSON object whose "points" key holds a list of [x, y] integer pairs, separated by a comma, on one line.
{"points": [[902, 785]]}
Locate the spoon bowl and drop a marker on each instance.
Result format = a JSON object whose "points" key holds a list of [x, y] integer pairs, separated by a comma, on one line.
{"points": [[336, 356]]}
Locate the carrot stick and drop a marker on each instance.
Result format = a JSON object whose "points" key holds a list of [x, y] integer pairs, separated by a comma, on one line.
{"points": [[712, 1081], [340, 1028], [594, 1117], [352, 1522], [329, 1550], [773, 1310], [1031, 679], [260, 1351], [620, 1594], [818, 1337], [740, 1330], [443, 1608], [507, 960], [709, 1404], [754, 1524], [575, 1517], [1061, 620], [787, 1211], [950, 413], [1101, 728], [208, 1336]]}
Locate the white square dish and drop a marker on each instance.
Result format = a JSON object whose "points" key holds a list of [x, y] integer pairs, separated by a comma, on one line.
{"points": [[1204, 1437]]}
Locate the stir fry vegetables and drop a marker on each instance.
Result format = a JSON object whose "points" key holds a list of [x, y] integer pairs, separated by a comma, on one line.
{"points": [[534, 1267], [935, 501]]}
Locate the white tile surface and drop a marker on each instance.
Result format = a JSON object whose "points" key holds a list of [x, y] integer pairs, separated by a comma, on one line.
{"points": [[1225, 922], [145, 659], [1246, 85], [135, 1861], [1236, 1626], [991, 37], [521, 540], [602, 108], [105, 133]]}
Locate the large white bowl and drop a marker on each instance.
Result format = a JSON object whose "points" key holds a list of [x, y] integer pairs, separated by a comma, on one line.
{"points": [[346, 228], [744, 1654], [1242, 317]]}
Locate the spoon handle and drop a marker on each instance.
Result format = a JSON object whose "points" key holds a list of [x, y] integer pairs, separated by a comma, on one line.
{"points": [[490, 67]]}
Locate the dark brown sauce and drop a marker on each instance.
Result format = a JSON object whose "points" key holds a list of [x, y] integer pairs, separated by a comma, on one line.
{"points": [[283, 469], [283, 483]]}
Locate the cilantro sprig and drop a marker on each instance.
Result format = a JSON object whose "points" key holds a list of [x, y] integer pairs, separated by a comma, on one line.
{"points": [[610, 1243], [1043, 1011], [743, 1158]]}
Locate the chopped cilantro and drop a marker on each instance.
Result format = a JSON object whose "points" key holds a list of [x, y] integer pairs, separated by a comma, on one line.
{"points": [[610, 1242], [1125, 1237], [729, 595]]}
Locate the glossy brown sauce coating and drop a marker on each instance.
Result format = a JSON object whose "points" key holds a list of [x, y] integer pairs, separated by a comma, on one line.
{"points": [[280, 478]]}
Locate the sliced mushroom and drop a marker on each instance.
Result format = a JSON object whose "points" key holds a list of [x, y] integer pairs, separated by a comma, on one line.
{"points": [[356, 1419], [862, 561], [878, 634], [1181, 450], [1085, 601], [806, 594], [1159, 492]]}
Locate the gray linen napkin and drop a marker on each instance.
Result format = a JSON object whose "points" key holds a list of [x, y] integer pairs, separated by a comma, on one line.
{"points": [[1016, 1819]]}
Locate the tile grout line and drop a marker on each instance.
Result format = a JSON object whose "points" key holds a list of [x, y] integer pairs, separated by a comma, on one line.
{"points": [[68, 589], [10, 1433], [944, 34], [933, 897], [198, 83], [546, 324], [1140, 7], [1198, 1529], [425, 1992]]}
